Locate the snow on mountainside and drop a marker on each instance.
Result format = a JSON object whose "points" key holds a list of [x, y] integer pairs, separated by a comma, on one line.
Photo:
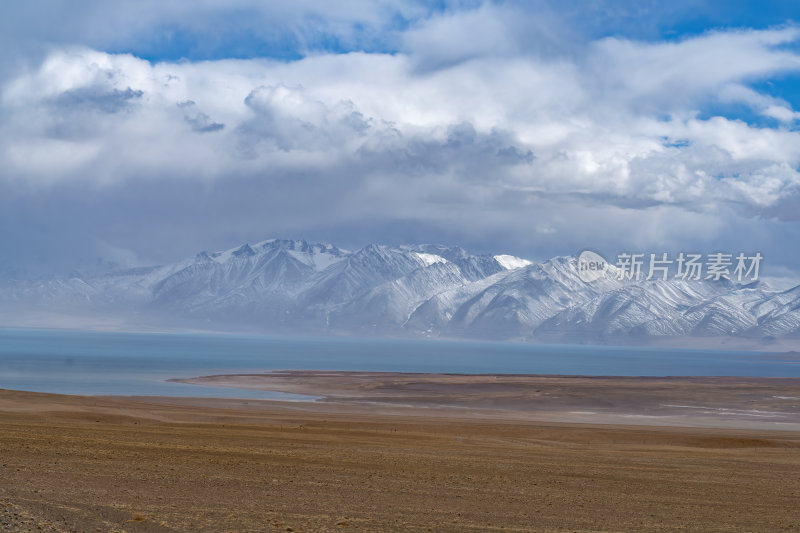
{"points": [[510, 262], [414, 290]]}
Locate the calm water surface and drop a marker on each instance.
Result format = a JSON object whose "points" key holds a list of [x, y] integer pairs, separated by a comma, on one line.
{"points": [[72, 362]]}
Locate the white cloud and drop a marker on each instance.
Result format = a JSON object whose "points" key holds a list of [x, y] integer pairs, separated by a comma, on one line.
{"points": [[763, 104], [469, 119], [585, 122], [457, 36], [677, 73]]}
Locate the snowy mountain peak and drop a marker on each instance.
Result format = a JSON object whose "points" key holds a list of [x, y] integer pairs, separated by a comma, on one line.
{"points": [[450, 253], [430, 259], [244, 251], [510, 262], [417, 290]]}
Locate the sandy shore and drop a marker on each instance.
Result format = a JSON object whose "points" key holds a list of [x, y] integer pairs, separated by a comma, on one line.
{"points": [[756, 403], [70, 463]]}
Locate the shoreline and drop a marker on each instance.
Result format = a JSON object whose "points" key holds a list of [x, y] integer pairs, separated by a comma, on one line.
{"points": [[734, 402]]}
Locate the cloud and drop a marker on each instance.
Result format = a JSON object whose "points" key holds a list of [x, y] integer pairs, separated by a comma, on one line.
{"points": [[623, 125], [292, 120], [93, 98], [455, 37], [202, 123], [768, 106], [205, 29], [490, 122], [680, 73]]}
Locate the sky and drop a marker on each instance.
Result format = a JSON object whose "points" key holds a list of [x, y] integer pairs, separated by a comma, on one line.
{"points": [[137, 132]]}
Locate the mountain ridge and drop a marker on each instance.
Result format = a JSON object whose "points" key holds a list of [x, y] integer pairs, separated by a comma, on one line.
{"points": [[296, 286]]}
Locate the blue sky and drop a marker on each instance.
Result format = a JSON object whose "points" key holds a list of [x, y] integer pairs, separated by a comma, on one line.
{"points": [[142, 132], [235, 36]]}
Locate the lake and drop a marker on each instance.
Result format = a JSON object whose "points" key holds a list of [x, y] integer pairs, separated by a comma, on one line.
{"points": [[100, 363]]}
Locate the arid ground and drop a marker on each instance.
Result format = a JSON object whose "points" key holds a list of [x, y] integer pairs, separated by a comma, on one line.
{"points": [[477, 457], [735, 402]]}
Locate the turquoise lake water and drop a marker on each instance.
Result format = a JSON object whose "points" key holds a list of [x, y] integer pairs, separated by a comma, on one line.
{"points": [[95, 363]]}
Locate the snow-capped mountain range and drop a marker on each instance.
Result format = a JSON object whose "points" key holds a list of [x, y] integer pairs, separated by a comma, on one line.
{"points": [[289, 286]]}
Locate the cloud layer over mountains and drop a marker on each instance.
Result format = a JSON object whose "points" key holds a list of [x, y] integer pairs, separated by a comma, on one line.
{"points": [[502, 126]]}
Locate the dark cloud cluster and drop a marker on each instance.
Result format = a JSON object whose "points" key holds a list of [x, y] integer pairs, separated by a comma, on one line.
{"points": [[94, 98]]}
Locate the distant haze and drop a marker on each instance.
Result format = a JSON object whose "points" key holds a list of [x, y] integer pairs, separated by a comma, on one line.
{"points": [[420, 291]]}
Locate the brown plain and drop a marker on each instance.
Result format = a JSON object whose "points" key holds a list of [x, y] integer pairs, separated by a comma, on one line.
{"points": [[70, 463]]}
